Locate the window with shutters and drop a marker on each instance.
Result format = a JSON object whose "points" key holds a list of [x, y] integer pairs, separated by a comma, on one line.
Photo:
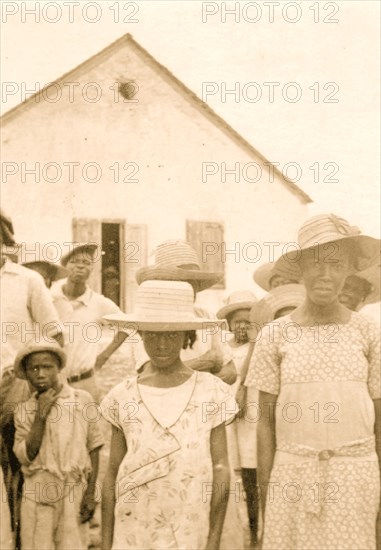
{"points": [[207, 238]]}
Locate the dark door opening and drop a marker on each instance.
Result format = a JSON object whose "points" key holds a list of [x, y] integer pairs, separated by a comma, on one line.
{"points": [[111, 262]]}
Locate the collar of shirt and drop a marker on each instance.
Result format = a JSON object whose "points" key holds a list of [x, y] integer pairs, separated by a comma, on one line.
{"points": [[57, 292], [9, 267]]}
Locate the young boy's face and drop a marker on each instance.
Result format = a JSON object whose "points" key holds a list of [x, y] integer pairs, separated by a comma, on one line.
{"points": [[42, 369]]}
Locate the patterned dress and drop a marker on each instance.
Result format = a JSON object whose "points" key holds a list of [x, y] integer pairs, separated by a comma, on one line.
{"points": [[164, 483], [325, 486]]}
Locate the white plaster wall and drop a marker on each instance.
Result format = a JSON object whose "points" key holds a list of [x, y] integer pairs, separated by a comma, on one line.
{"points": [[169, 139]]}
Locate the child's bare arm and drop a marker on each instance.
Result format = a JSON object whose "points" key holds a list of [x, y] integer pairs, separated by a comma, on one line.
{"points": [[221, 479], [88, 501], [118, 450], [34, 438]]}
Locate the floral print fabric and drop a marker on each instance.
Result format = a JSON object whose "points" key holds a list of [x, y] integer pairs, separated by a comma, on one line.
{"points": [[164, 483]]}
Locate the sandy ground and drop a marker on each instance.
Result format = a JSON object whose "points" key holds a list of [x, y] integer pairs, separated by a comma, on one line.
{"points": [[235, 535]]}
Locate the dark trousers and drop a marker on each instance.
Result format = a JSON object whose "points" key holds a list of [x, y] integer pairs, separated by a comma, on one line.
{"points": [[249, 480], [13, 479]]}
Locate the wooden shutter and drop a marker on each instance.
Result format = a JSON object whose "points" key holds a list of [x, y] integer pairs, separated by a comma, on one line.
{"points": [[89, 230], [134, 257], [208, 237]]}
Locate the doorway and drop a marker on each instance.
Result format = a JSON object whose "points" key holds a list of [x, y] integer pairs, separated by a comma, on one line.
{"points": [[111, 268]]}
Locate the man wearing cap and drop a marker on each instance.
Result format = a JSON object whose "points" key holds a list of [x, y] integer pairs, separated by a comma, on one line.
{"points": [[176, 260], [81, 309]]}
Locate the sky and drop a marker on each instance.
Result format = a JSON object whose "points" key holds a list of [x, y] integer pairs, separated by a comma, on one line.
{"points": [[305, 77]]}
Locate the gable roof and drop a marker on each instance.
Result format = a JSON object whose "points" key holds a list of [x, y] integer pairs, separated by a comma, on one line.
{"points": [[186, 93]]}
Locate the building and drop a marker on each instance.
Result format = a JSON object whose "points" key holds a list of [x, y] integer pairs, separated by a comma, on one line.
{"points": [[120, 152]]}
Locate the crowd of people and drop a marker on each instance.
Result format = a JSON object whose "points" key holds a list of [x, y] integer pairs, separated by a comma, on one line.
{"points": [[273, 402]]}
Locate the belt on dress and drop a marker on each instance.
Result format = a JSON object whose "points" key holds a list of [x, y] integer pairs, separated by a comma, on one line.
{"points": [[314, 458], [82, 376]]}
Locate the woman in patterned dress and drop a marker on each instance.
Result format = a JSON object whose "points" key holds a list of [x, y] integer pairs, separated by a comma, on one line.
{"points": [[318, 373], [168, 469]]}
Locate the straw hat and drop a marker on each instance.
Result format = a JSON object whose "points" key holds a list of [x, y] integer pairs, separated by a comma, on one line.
{"points": [[278, 298], [241, 299], [327, 228], [85, 248], [163, 306], [263, 275], [34, 347], [178, 261]]}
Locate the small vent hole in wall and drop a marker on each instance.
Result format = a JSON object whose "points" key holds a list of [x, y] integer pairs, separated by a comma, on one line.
{"points": [[128, 89]]}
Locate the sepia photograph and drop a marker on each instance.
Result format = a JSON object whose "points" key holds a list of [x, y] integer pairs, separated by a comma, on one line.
{"points": [[190, 274]]}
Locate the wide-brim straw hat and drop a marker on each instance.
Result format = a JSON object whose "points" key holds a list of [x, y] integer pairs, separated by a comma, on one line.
{"points": [[263, 275], [35, 347], [163, 306], [85, 248], [328, 228], [240, 299], [278, 298], [178, 261]]}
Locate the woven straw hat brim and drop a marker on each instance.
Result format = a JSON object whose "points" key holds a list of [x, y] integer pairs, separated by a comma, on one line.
{"points": [[28, 350], [368, 254], [261, 313], [57, 271], [90, 248], [224, 311], [132, 322], [284, 296], [201, 280], [263, 275]]}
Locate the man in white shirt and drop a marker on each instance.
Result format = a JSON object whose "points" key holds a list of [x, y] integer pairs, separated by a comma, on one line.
{"points": [[80, 310]]}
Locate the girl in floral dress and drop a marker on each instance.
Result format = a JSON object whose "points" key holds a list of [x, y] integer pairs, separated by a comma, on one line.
{"points": [[168, 469], [318, 372]]}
